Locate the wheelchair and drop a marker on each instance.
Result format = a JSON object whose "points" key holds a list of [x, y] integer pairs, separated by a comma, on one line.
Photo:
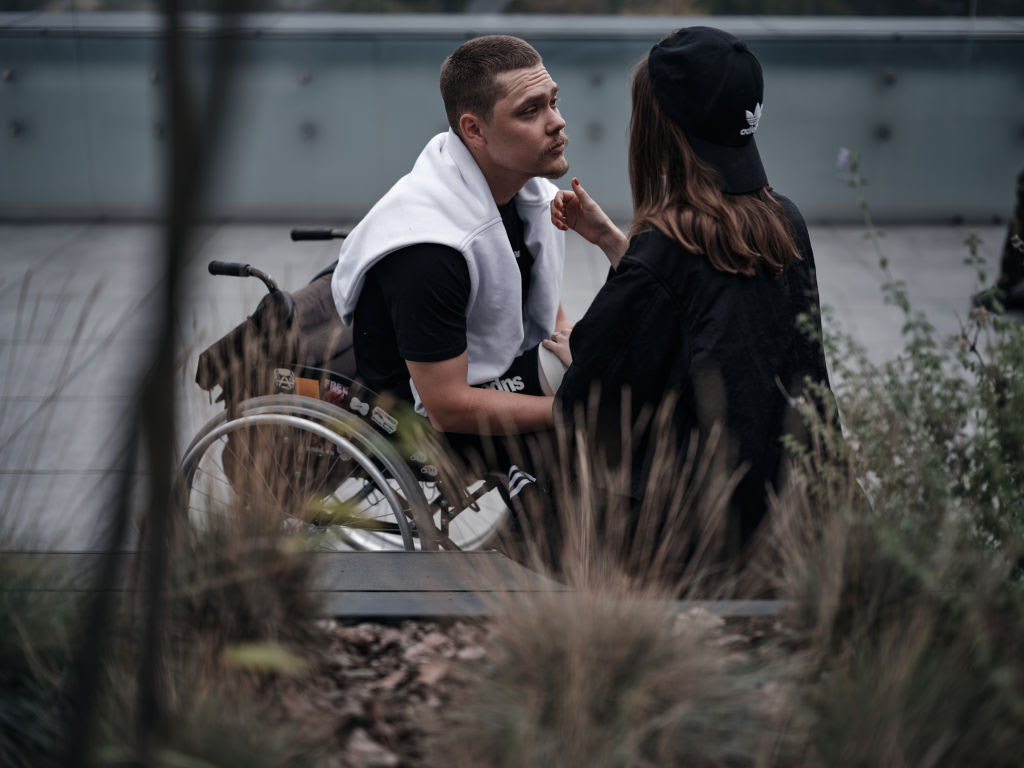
{"points": [[301, 436]]}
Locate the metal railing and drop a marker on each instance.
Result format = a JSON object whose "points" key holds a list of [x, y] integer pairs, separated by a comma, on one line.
{"points": [[326, 111]]}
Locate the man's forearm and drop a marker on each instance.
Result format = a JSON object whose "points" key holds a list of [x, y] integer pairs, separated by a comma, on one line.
{"points": [[454, 406], [491, 412]]}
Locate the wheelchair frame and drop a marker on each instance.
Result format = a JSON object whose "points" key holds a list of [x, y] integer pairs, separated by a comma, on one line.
{"points": [[325, 451]]}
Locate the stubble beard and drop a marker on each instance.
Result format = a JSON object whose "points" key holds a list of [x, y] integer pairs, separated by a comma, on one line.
{"points": [[559, 172], [563, 164]]}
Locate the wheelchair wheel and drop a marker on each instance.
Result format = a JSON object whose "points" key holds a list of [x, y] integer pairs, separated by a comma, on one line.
{"points": [[312, 462], [473, 526], [468, 517]]}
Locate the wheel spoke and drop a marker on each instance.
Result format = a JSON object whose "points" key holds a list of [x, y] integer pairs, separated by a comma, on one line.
{"points": [[311, 460]]}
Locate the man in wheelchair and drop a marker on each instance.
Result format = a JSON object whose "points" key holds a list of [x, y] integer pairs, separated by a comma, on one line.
{"points": [[452, 280], [447, 287]]}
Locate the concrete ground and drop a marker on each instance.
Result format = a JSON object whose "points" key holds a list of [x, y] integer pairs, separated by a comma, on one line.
{"points": [[78, 304]]}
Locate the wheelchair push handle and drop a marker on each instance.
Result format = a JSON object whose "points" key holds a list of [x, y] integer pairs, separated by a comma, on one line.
{"points": [[230, 268], [318, 233], [237, 269]]}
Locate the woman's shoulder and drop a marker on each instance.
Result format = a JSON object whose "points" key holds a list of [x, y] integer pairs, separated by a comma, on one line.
{"points": [[790, 209], [648, 240], [797, 224], [665, 261], [654, 250]]}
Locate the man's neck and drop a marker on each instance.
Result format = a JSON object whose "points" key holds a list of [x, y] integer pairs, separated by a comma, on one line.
{"points": [[503, 187], [503, 194]]}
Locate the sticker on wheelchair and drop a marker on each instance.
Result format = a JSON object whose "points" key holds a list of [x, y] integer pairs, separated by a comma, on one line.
{"points": [[419, 458], [352, 397], [284, 380], [334, 391], [385, 420]]}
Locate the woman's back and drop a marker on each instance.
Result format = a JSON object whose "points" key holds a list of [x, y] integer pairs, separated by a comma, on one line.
{"points": [[721, 348], [700, 314]]}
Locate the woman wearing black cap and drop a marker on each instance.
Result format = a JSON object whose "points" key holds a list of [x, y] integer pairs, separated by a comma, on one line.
{"points": [[701, 306]]}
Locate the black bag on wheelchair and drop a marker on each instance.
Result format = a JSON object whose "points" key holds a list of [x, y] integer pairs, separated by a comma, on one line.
{"points": [[254, 357]]}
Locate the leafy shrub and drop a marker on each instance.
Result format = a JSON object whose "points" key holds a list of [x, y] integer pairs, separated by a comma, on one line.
{"points": [[901, 546]]}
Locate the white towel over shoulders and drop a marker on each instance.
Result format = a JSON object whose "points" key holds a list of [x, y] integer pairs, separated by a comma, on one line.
{"points": [[445, 200]]}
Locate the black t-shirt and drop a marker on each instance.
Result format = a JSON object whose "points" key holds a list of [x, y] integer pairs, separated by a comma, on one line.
{"points": [[728, 347], [413, 307]]}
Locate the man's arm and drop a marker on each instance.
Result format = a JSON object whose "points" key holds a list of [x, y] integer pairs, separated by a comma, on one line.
{"points": [[454, 406]]}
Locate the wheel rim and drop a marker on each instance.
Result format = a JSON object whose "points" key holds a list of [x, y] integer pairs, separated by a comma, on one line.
{"points": [[211, 487], [472, 528]]}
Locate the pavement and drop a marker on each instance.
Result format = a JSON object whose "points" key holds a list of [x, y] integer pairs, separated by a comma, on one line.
{"points": [[372, 586], [78, 309]]}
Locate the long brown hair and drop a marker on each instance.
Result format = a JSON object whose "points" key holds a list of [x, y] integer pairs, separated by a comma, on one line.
{"points": [[674, 191]]}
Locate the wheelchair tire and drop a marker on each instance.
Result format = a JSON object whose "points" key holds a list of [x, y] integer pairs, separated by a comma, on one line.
{"points": [[315, 463], [474, 527]]}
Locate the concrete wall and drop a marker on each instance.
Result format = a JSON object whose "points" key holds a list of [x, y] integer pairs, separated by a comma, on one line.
{"points": [[327, 111]]}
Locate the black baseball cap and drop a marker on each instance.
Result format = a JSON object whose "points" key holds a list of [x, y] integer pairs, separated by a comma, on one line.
{"points": [[710, 84]]}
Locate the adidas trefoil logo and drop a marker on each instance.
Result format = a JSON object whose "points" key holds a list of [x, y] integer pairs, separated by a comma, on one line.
{"points": [[752, 120]]}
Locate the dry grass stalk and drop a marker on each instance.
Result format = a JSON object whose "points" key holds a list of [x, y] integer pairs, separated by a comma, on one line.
{"points": [[605, 678], [599, 671]]}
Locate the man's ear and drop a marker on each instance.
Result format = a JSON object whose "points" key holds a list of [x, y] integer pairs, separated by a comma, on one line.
{"points": [[472, 129]]}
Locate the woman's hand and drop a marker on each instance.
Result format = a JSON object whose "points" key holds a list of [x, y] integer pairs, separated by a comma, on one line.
{"points": [[575, 209], [559, 344]]}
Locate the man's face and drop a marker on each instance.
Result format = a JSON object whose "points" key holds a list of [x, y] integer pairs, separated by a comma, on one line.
{"points": [[525, 136]]}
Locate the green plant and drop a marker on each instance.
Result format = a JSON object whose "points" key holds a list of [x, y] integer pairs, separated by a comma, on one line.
{"points": [[901, 545], [939, 430]]}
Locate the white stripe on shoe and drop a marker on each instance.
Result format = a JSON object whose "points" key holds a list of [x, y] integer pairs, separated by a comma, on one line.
{"points": [[517, 480]]}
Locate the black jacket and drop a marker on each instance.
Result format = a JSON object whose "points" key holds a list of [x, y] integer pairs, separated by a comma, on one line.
{"points": [[727, 346]]}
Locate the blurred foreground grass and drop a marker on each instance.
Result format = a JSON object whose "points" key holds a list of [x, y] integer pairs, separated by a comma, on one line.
{"points": [[899, 544]]}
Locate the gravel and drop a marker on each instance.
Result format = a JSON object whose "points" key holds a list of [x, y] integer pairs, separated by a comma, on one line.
{"points": [[377, 694]]}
